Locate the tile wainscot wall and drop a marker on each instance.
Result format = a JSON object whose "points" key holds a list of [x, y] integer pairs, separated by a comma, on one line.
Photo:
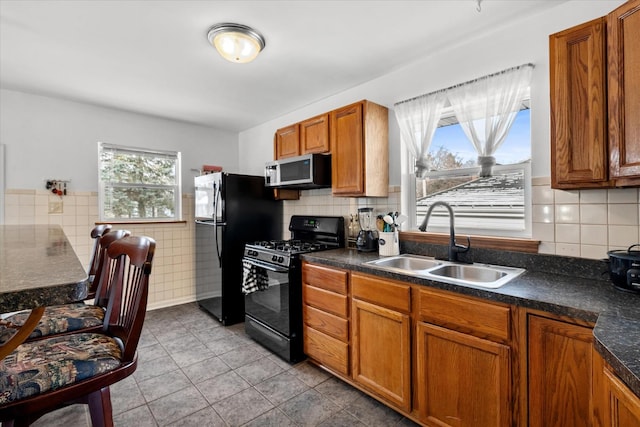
{"points": [[584, 223]]}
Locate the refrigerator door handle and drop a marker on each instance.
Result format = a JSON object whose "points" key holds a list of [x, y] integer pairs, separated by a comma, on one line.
{"points": [[216, 202]]}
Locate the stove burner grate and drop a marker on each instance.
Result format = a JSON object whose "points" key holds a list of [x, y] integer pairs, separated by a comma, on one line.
{"points": [[292, 246]]}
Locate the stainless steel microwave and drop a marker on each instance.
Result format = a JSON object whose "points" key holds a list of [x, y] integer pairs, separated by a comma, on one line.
{"points": [[301, 172]]}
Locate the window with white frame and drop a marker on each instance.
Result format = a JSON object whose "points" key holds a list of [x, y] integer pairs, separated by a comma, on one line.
{"points": [[137, 184], [487, 188], [493, 205]]}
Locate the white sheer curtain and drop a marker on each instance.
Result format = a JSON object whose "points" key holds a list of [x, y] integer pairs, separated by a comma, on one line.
{"points": [[487, 107], [418, 119]]}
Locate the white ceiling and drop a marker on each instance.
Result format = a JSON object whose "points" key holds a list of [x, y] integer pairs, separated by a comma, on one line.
{"points": [[153, 56]]}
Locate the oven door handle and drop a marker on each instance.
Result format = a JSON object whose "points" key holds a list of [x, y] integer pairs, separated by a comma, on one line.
{"points": [[270, 267]]}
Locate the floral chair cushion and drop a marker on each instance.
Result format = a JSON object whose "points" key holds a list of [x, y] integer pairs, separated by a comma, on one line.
{"points": [[39, 366], [56, 319]]}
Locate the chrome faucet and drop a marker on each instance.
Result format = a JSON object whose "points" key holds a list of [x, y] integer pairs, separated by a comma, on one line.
{"points": [[454, 248]]}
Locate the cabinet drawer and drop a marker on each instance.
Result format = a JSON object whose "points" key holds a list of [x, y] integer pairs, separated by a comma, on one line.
{"points": [[465, 314], [381, 292], [325, 278], [329, 351], [332, 325], [325, 300]]}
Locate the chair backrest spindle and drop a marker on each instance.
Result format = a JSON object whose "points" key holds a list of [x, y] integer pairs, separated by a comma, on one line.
{"points": [[97, 290], [129, 267]]}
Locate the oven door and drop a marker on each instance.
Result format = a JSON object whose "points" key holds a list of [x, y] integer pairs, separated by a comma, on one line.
{"points": [[271, 305]]}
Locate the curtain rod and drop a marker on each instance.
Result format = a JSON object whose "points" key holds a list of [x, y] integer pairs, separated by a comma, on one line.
{"points": [[465, 83]]}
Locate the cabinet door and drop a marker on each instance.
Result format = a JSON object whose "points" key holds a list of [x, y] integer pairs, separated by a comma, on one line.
{"points": [[314, 135], [559, 373], [381, 351], [287, 142], [623, 407], [579, 150], [623, 54], [347, 151], [461, 380]]}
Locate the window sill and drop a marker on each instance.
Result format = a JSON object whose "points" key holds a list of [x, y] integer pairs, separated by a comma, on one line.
{"points": [[486, 242], [140, 222]]}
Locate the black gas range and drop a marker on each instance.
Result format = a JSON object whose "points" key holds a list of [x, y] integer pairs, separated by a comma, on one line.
{"points": [[273, 313]]}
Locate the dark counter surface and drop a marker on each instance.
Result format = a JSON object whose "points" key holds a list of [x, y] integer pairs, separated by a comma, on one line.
{"points": [[38, 267], [545, 286]]}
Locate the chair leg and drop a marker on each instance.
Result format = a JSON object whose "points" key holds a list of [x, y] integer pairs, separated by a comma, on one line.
{"points": [[100, 408]]}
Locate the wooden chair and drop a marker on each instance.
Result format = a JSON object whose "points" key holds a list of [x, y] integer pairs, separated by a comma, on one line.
{"points": [[97, 232], [60, 319], [44, 375]]}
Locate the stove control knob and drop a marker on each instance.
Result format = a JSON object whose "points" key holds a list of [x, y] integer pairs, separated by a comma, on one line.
{"points": [[274, 258], [280, 260]]}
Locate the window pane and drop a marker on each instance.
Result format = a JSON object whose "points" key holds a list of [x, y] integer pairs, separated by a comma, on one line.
{"points": [[495, 204], [139, 203], [139, 184], [132, 168]]}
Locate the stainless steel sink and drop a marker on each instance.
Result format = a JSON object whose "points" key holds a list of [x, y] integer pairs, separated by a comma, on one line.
{"points": [[482, 275], [469, 272], [405, 263]]}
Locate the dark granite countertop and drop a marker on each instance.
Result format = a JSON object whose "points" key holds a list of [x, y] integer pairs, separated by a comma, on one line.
{"points": [[38, 267], [560, 285]]}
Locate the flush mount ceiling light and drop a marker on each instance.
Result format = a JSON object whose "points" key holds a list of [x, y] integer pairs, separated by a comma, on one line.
{"points": [[236, 42]]}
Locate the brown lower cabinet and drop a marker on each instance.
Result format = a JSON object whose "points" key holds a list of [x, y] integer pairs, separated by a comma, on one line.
{"points": [[616, 405], [623, 407], [461, 380], [559, 372], [381, 338], [446, 359], [463, 360], [325, 312]]}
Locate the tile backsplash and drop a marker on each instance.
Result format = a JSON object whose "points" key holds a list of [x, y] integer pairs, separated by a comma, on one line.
{"points": [[172, 279], [584, 223], [581, 223]]}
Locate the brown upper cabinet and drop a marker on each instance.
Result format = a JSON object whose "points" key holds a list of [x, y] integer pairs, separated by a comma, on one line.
{"points": [[360, 150], [356, 136], [314, 135], [579, 154], [595, 102], [623, 56], [287, 142]]}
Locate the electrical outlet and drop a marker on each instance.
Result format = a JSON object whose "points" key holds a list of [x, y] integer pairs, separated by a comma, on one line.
{"points": [[56, 207]]}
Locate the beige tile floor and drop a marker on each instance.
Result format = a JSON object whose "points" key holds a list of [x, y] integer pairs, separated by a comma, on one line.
{"points": [[192, 371]]}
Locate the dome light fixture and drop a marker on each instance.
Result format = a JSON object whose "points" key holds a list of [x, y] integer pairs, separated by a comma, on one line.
{"points": [[236, 42]]}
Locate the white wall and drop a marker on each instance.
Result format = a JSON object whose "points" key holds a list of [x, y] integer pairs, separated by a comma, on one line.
{"points": [[55, 138], [515, 43]]}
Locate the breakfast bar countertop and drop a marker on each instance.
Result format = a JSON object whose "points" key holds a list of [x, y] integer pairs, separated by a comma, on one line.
{"points": [[616, 313], [38, 267]]}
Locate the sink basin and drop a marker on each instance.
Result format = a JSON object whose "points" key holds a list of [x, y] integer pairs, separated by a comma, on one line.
{"points": [[481, 275], [469, 272], [407, 263]]}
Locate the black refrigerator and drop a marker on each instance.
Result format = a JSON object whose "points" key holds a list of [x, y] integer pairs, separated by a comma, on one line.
{"points": [[230, 210]]}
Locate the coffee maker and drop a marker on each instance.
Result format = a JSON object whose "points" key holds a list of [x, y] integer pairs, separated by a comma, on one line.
{"points": [[367, 240]]}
